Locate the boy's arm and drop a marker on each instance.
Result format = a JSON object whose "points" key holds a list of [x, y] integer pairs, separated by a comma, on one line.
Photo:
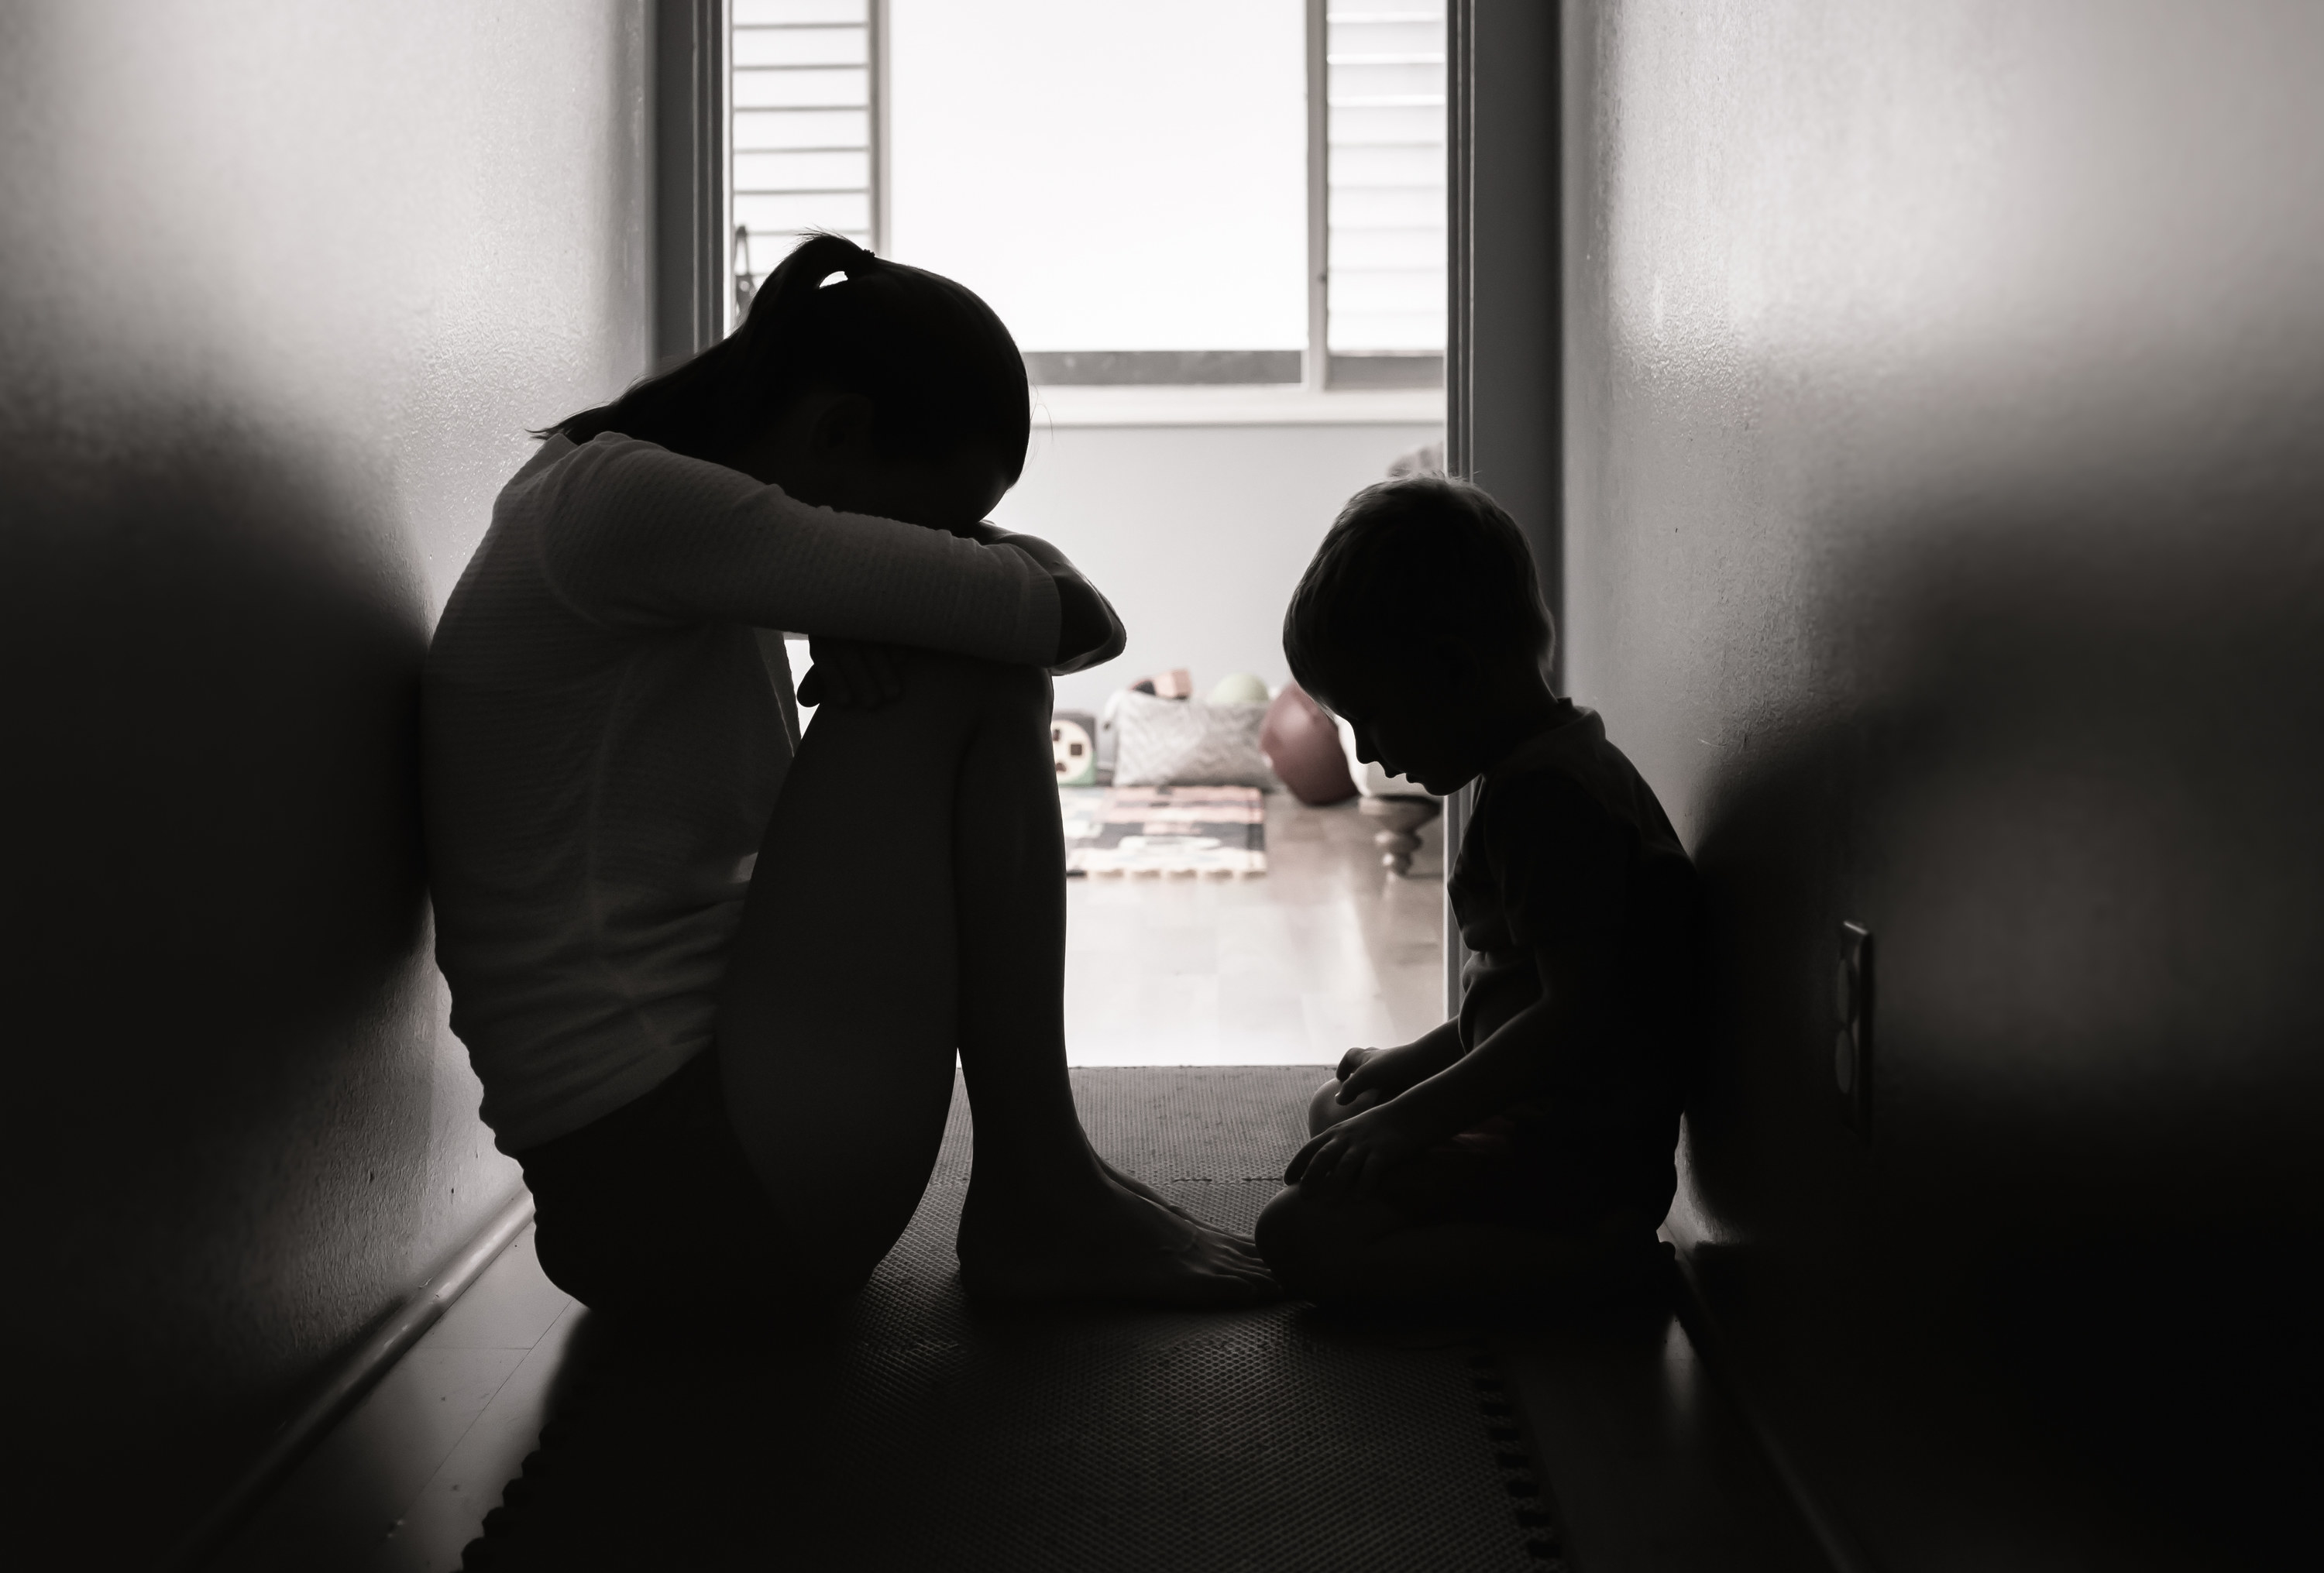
{"points": [[1519, 1061], [1389, 1072]]}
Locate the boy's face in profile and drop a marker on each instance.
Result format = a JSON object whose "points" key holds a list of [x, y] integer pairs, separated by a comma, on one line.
{"points": [[1441, 717], [1407, 722]]}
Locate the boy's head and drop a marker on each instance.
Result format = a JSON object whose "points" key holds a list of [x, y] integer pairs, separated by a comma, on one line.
{"points": [[1421, 622]]}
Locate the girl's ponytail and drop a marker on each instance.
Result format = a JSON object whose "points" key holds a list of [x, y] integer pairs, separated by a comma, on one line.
{"points": [[784, 299], [940, 370]]}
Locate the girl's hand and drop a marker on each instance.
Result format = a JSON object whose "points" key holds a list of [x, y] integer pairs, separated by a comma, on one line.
{"points": [[1084, 621], [1348, 1159], [852, 675]]}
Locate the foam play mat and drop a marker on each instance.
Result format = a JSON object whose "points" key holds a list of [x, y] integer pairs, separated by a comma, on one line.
{"points": [[920, 1433], [1135, 831]]}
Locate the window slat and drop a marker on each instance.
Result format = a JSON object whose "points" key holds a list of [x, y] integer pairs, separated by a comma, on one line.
{"points": [[848, 169], [773, 129], [800, 46], [849, 210], [748, 14], [836, 88]]}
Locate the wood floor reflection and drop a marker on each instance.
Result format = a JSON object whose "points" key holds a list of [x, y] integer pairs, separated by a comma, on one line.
{"points": [[1325, 952]]}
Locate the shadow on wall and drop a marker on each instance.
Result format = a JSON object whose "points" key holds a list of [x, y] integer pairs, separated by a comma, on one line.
{"points": [[2078, 808], [224, 1015], [1941, 401], [2073, 796], [278, 304]]}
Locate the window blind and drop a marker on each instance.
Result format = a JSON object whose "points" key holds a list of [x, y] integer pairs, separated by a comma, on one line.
{"points": [[1384, 63], [805, 128]]}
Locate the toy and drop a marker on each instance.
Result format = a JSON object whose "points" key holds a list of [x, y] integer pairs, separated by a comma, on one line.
{"points": [[1072, 740], [1176, 684], [1303, 745]]}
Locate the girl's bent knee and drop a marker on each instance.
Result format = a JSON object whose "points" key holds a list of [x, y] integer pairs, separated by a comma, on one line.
{"points": [[988, 685]]}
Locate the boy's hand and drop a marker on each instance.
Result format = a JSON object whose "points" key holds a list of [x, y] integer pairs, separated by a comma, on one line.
{"points": [[851, 675], [1348, 1159], [1387, 1072]]}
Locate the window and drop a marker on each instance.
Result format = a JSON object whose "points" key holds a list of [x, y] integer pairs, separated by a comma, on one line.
{"points": [[1129, 182]]}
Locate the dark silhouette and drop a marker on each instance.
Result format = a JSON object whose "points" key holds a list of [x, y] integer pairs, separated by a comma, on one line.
{"points": [[714, 991], [1523, 1149]]}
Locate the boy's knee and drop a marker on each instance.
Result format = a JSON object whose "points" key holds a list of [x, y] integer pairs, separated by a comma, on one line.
{"points": [[1297, 1237], [1280, 1233], [1325, 1110]]}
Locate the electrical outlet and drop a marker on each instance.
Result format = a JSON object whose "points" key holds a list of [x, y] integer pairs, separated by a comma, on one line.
{"points": [[1851, 1053]]}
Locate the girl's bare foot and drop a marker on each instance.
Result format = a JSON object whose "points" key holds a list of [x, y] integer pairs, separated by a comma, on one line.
{"points": [[1139, 1187], [1113, 1242]]}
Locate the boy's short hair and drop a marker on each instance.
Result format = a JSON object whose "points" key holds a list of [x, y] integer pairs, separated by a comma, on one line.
{"points": [[1419, 559]]}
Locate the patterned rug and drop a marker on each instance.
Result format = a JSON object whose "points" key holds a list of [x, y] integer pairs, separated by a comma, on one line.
{"points": [[920, 1433], [1219, 831]]}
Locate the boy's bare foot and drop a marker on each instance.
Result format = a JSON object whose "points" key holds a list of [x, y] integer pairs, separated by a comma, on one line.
{"points": [[1114, 1242]]}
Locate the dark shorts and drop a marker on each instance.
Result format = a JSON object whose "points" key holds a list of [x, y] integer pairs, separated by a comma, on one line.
{"points": [[654, 1208]]}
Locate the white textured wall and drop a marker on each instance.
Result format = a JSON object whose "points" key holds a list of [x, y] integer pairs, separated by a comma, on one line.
{"points": [[280, 285], [1944, 500]]}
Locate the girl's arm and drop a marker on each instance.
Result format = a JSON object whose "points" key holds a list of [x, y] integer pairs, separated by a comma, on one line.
{"points": [[635, 535], [1090, 632], [866, 676]]}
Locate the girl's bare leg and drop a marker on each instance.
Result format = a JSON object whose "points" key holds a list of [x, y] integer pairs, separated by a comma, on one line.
{"points": [[909, 900]]}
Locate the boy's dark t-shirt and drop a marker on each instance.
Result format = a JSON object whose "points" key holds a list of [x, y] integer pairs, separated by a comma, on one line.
{"points": [[1567, 842]]}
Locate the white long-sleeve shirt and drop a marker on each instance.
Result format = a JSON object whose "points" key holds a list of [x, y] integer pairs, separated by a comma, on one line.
{"points": [[602, 744]]}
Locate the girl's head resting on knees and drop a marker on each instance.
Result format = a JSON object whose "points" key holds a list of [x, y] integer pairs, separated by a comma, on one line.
{"points": [[1421, 622], [854, 382]]}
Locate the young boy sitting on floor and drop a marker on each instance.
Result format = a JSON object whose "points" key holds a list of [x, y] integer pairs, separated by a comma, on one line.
{"points": [[1523, 1149]]}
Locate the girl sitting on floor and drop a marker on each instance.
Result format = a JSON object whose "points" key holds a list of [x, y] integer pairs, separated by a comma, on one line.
{"points": [[712, 977]]}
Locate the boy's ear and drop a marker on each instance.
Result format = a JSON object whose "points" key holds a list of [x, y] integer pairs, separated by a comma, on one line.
{"points": [[1449, 664]]}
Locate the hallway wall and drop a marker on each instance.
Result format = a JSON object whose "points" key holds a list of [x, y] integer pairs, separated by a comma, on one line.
{"points": [[281, 286], [1945, 522]]}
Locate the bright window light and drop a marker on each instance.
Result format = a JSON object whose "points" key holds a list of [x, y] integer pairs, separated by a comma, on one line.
{"points": [[1113, 175], [1127, 181], [1385, 63]]}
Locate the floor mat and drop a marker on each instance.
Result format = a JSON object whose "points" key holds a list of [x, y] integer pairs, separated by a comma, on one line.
{"points": [[921, 1434], [1164, 829]]}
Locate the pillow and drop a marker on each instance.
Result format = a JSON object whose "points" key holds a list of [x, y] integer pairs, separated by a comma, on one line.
{"points": [[1184, 742]]}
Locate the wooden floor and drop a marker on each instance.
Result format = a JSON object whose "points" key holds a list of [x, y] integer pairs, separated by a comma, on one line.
{"points": [[1325, 952]]}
